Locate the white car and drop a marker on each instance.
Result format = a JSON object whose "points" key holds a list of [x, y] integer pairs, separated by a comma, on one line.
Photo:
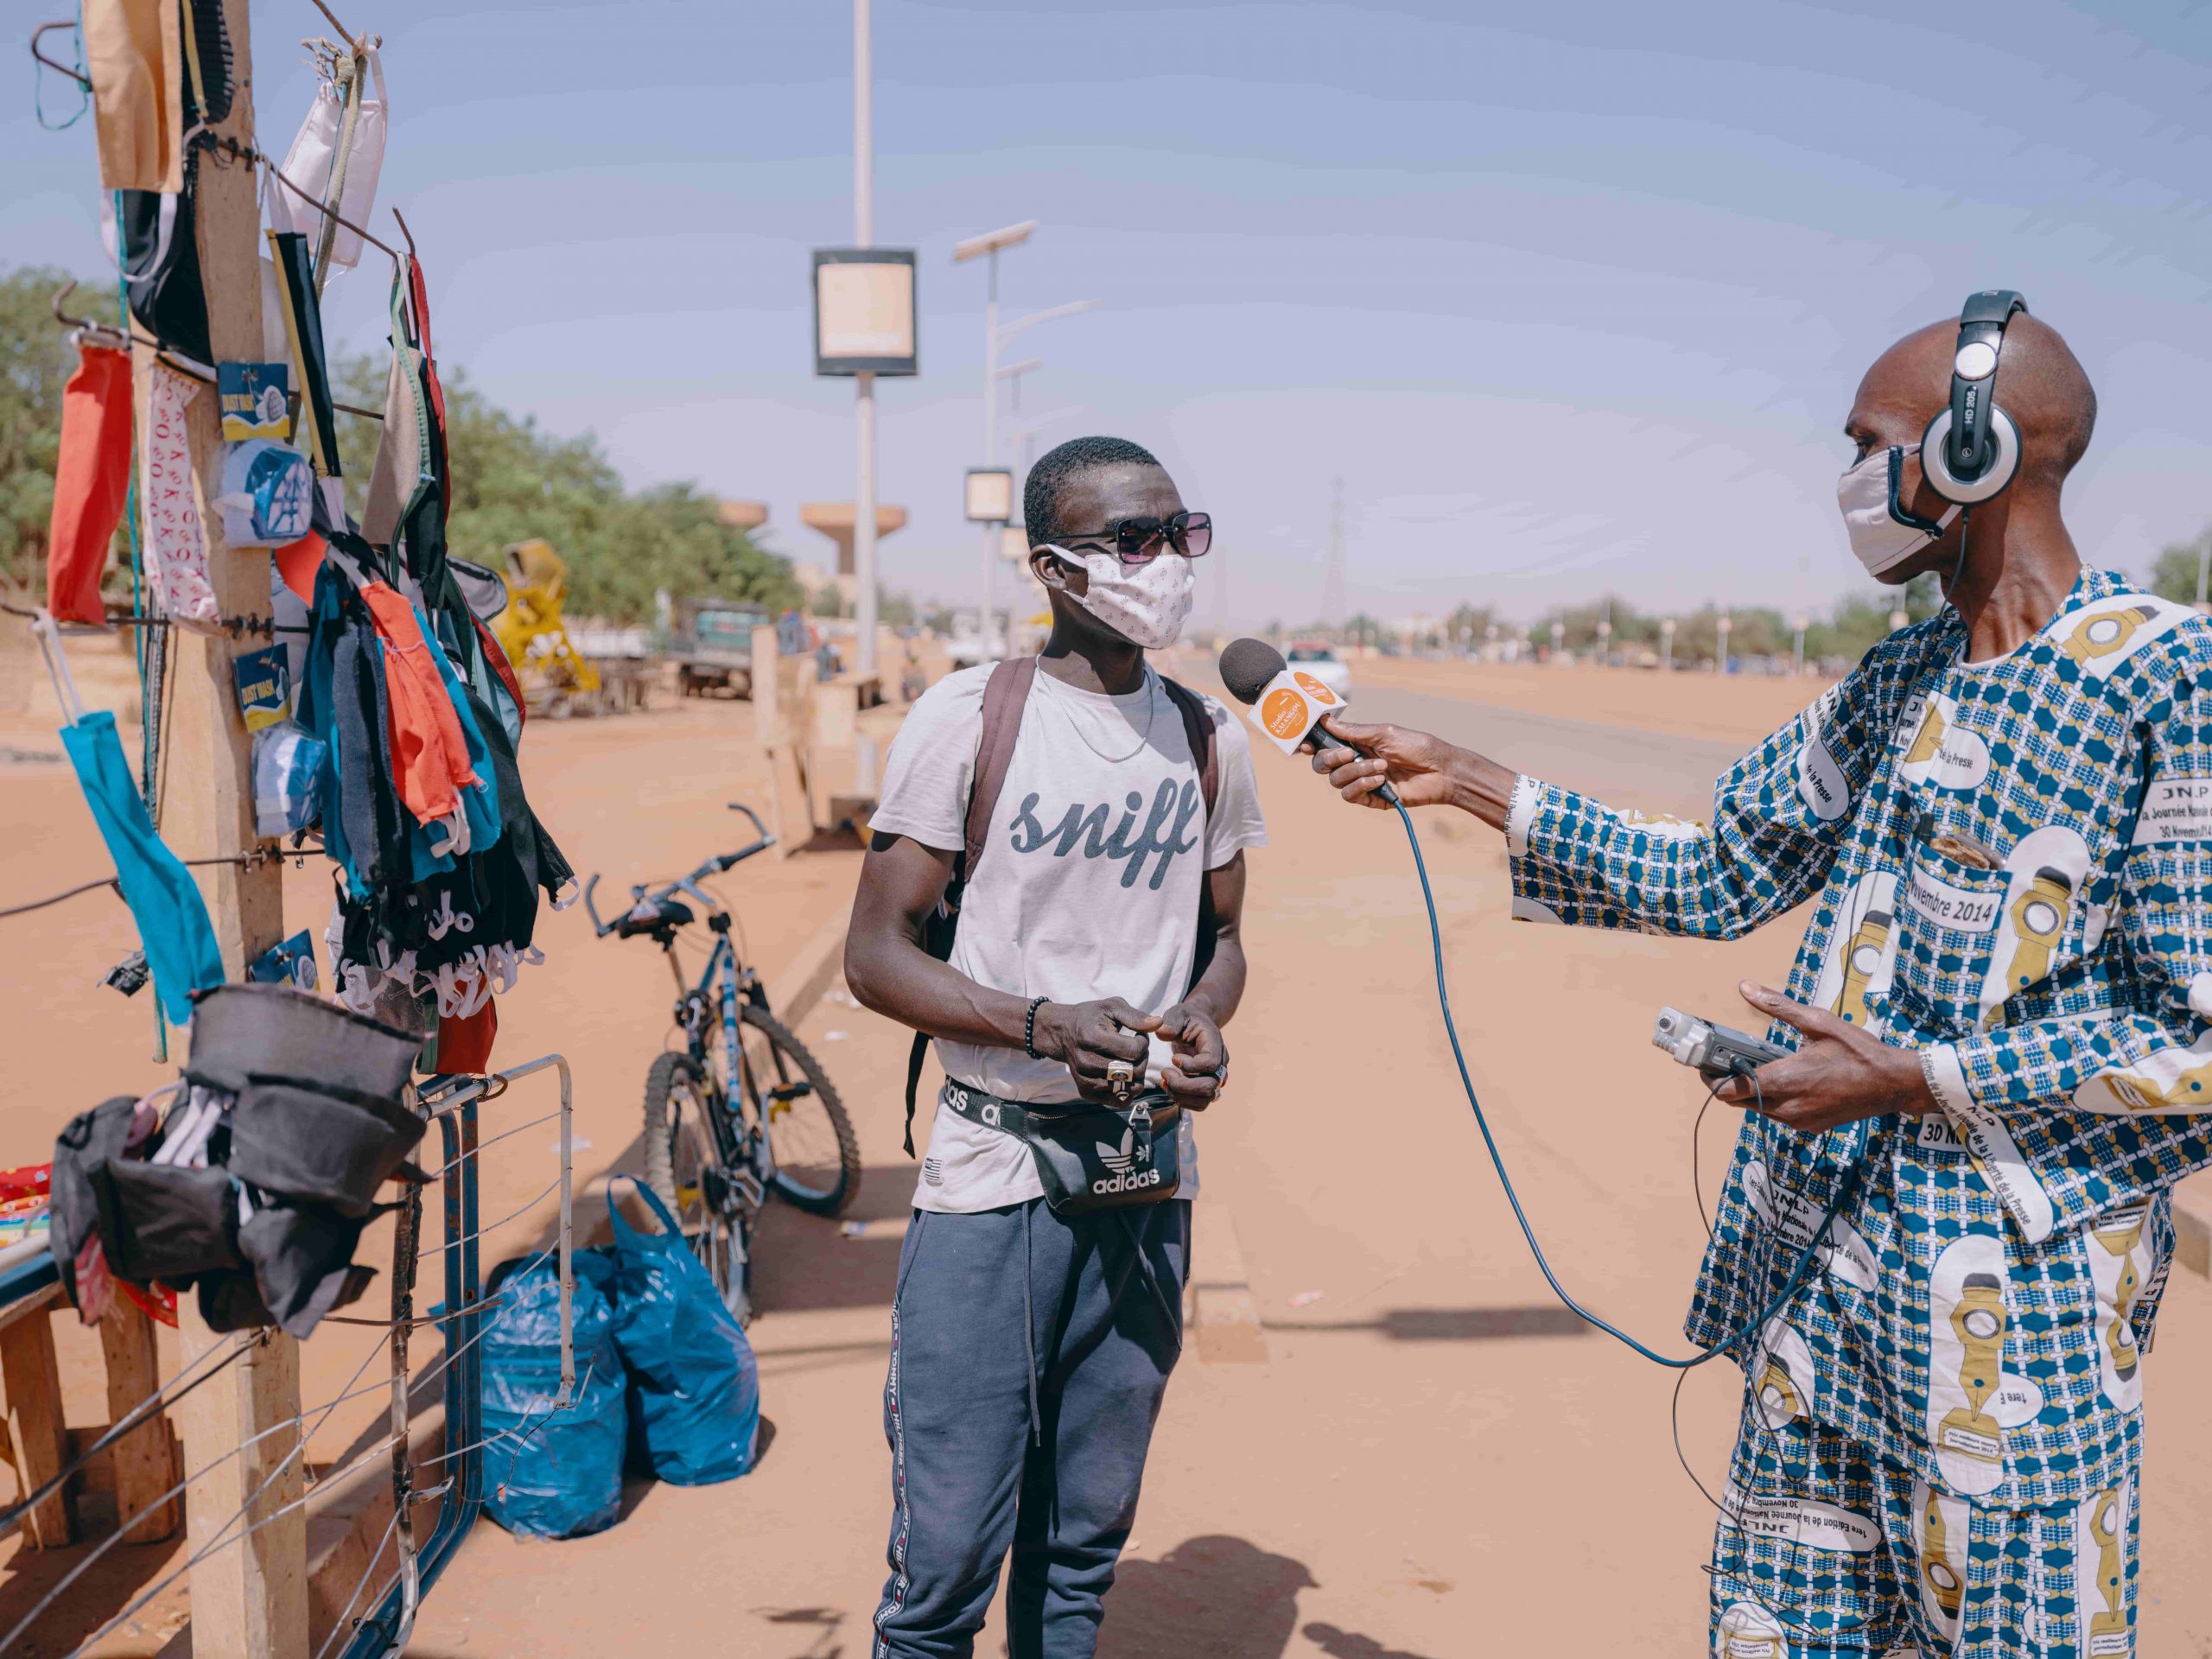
{"points": [[1324, 665]]}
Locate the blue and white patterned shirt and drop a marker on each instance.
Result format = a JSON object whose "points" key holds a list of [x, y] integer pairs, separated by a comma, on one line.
{"points": [[2011, 862]]}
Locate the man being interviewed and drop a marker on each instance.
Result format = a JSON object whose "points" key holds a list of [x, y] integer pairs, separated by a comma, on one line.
{"points": [[2001, 1020], [1086, 822]]}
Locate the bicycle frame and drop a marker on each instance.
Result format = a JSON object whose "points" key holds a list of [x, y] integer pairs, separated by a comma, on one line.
{"points": [[741, 1149], [714, 1007]]}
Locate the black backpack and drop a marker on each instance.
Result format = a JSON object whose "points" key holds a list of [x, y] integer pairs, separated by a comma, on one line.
{"points": [[1005, 695]]}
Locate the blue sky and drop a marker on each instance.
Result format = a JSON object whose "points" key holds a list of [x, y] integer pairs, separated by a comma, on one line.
{"points": [[1572, 297]]}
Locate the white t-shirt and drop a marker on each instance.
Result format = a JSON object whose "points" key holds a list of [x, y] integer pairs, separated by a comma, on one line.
{"points": [[1088, 887]]}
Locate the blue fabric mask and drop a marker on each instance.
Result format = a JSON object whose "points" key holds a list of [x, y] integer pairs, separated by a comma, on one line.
{"points": [[164, 901]]}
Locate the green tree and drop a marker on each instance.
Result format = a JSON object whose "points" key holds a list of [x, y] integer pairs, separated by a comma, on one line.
{"points": [[1363, 629], [2174, 577], [1861, 621], [1469, 624], [514, 482]]}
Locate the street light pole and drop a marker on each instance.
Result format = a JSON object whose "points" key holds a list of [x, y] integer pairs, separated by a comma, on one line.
{"points": [[990, 438], [864, 385], [990, 245]]}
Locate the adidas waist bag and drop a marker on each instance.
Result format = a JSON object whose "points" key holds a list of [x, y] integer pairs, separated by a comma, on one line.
{"points": [[1087, 1157]]}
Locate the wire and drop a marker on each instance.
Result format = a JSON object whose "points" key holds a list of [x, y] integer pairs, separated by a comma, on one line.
{"points": [[512, 1216], [1798, 1272], [253, 859], [1674, 1417], [71, 892], [298, 1421], [479, 1148], [159, 1398], [345, 1623], [221, 1540], [1697, 1182]]}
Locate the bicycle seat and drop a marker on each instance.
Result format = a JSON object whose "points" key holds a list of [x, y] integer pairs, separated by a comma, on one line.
{"points": [[655, 916]]}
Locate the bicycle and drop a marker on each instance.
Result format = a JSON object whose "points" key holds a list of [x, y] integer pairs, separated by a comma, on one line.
{"points": [[712, 1152]]}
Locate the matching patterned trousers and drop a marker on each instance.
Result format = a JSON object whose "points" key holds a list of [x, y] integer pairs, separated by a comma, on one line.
{"points": [[1823, 1549]]}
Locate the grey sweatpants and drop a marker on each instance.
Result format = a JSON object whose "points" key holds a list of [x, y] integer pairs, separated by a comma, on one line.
{"points": [[1028, 1357]]}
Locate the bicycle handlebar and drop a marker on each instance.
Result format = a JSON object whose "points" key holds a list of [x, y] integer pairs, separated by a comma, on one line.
{"points": [[715, 866]]}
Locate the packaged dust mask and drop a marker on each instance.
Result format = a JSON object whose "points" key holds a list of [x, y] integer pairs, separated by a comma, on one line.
{"points": [[1147, 604], [1884, 531]]}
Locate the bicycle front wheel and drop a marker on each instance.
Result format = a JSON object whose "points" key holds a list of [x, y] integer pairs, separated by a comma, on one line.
{"points": [[684, 1170], [817, 1161]]}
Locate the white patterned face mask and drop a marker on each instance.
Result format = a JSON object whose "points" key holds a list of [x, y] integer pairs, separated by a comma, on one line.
{"points": [[1884, 531], [1147, 604]]}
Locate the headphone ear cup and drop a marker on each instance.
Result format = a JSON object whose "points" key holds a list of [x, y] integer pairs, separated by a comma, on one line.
{"points": [[1935, 461]]}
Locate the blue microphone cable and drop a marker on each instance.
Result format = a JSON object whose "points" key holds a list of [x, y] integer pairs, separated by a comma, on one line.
{"points": [[1450, 1029]]}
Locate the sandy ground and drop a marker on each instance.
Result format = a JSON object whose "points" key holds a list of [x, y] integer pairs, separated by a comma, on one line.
{"points": [[1434, 1461]]}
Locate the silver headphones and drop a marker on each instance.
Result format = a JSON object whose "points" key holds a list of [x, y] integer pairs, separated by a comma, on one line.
{"points": [[1972, 449]]}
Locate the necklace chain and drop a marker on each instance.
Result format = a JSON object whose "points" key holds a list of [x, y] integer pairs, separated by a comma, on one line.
{"points": [[1151, 709]]}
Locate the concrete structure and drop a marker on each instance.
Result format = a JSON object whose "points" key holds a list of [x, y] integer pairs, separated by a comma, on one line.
{"points": [[835, 520], [747, 516]]}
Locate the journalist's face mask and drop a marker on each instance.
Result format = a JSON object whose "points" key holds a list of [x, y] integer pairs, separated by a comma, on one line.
{"points": [[1147, 604], [1884, 532]]}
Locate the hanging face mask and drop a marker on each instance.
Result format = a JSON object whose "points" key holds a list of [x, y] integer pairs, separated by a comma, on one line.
{"points": [[1884, 532], [1147, 604]]}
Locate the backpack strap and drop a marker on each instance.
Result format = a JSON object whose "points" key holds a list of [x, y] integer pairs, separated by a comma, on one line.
{"points": [[1005, 695], [1197, 726]]}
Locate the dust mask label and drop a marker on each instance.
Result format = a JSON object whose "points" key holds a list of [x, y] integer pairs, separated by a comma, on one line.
{"points": [[1146, 604]]}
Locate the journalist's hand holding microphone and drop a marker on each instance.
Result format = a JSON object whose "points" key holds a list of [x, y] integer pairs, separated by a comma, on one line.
{"points": [[1424, 769]]}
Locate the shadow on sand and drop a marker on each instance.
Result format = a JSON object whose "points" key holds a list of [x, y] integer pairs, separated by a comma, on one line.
{"points": [[1217, 1596]]}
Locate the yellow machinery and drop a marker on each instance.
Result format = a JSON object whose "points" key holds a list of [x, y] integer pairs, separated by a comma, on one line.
{"points": [[555, 676]]}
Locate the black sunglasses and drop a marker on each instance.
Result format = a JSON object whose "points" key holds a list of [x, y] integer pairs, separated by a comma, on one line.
{"points": [[1140, 541]]}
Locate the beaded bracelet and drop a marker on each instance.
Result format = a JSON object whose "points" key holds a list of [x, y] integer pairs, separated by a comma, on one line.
{"points": [[1029, 1028]]}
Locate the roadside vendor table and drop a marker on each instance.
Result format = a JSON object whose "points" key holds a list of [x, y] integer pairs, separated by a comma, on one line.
{"points": [[143, 1466]]}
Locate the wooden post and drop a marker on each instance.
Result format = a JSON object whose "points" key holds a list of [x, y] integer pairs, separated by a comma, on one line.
{"points": [[38, 1443], [248, 1598], [781, 718], [767, 682], [145, 1458]]}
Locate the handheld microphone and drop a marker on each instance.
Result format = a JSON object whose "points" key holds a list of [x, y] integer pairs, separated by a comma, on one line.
{"points": [[1287, 704]]}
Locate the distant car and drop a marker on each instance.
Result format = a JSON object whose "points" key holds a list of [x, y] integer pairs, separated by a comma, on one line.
{"points": [[1324, 665]]}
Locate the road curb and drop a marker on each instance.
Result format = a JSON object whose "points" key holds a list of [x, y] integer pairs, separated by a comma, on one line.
{"points": [[811, 972], [1220, 1306]]}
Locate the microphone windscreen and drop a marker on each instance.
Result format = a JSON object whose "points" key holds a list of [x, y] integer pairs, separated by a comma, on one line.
{"points": [[1247, 665]]}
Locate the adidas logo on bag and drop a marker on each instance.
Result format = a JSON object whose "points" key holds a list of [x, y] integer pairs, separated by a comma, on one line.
{"points": [[1118, 1159]]}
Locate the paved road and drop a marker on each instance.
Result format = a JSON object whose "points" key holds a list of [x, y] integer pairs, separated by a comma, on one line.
{"points": [[1625, 766]]}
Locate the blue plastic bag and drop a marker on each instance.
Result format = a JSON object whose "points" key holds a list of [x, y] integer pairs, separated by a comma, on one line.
{"points": [[695, 1387], [548, 1473]]}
